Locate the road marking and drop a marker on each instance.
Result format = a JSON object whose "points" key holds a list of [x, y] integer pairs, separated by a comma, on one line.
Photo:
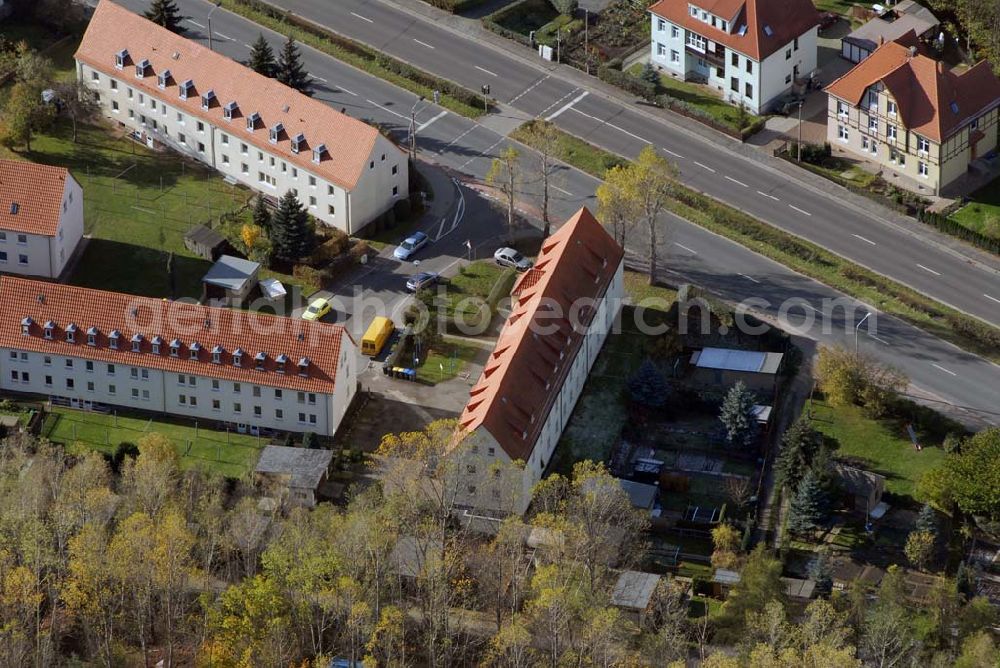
{"points": [[867, 241], [195, 23], [568, 105], [811, 307], [704, 166], [993, 298], [247, 46], [457, 138], [928, 269], [317, 78], [764, 194], [802, 211], [693, 252], [423, 43], [483, 69], [349, 92], [555, 104], [420, 128], [883, 341], [739, 183], [941, 368], [529, 89], [676, 155], [482, 153], [564, 192], [363, 18], [384, 108], [613, 126], [219, 34], [749, 278]]}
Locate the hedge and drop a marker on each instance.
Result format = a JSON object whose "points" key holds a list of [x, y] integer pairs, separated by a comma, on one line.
{"points": [[627, 82], [949, 226], [455, 6], [492, 22], [501, 288]]}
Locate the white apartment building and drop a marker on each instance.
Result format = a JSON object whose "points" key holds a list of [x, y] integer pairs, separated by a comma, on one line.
{"points": [[93, 349], [41, 218], [752, 51], [562, 311], [171, 91]]}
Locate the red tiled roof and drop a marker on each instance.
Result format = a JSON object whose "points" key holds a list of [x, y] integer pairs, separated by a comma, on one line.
{"points": [[109, 311], [932, 101], [37, 190], [784, 19], [349, 142], [538, 342]]}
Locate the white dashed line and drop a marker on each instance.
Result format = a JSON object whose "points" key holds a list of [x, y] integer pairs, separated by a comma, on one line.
{"points": [[564, 192], [867, 241], [613, 126], [363, 18], [529, 89], [693, 252], [749, 278], [802, 211], [195, 23], [317, 78], [941, 368], [704, 166], [739, 183], [247, 46], [676, 155], [423, 43], [457, 138], [420, 128], [349, 92], [992, 298], [467, 162], [385, 109], [764, 194], [219, 34], [483, 69], [928, 269], [567, 106], [882, 341]]}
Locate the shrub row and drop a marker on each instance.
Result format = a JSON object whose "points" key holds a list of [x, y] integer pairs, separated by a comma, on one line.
{"points": [[627, 82], [457, 98], [492, 22], [455, 6], [949, 226]]}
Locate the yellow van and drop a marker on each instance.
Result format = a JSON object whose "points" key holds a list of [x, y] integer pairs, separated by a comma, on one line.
{"points": [[378, 333]]}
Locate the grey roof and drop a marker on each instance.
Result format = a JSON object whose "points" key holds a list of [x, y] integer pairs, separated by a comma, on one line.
{"points": [[641, 495], [906, 16], [797, 588], [204, 236], [305, 467], [858, 481], [411, 555], [231, 273], [729, 359], [724, 576], [634, 590]]}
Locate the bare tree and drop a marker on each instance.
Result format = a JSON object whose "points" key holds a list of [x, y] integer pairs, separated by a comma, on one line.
{"points": [[504, 175], [79, 103]]}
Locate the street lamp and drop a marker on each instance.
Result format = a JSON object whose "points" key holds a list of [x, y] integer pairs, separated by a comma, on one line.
{"points": [[857, 328], [413, 128], [217, 5], [798, 154]]}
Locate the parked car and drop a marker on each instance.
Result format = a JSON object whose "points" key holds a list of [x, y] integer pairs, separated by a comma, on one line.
{"points": [[788, 104], [508, 257], [410, 246], [317, 309], [827, 20], [424, 279]]}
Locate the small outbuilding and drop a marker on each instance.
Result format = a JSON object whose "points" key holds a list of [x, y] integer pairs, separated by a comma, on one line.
{"points": [[231, 279], [723, 580], [413, 555], [891, 24], [206, 243], [724, 367], [863, 489], [799, 589], [301, 471], [642, 496], [633, 594]]}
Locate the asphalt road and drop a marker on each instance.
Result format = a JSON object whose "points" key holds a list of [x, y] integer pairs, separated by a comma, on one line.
{"points": [[623, 129], [689, 252]]}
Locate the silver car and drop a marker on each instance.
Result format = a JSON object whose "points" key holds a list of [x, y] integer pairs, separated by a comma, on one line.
{"points": [[508, 257]]}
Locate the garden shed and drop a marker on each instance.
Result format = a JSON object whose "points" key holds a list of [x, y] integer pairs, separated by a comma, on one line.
{"points": [[633, 594], [230, 279], [724, 367], [206, 243]]}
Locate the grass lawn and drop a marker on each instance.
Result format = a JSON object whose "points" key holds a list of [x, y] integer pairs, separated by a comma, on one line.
{"points": [[698, 95], [473, 282], [232, 455], [574, 151], [982, 213], [447, 359], [842, 7], [532, 15], [882, 445]]}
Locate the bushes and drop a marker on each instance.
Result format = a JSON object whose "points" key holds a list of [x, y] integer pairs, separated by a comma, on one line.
{"points": [[846, 378], [455, 6], [949, 226], [816, 154], [644, 89], [492, 22]]}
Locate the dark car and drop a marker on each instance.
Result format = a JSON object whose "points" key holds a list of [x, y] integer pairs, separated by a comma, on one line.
{"points": [[788, 104], [421, 281], [827, 20]]}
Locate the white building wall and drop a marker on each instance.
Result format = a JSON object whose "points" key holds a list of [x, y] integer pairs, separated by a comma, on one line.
{"points": [[777, 71], [64, 244], [41, 255], [667, 42], [249, 164]]}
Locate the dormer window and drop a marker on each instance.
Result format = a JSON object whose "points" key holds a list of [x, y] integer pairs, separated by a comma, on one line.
{"points": [[217, 354], [26, 326], [137, 343], [163, 78], [304, 366], [252, 121], [49, 327], [276, 133], [260, 358], [156, 342], [120, 58], [113, 338], [92, 336], [229, 110], [193, 350], [280, 361], [318, 153], [297, 142], [185, 89], [141, 67], [175, 348], [207, 99], [238, 357], [71, 333]]}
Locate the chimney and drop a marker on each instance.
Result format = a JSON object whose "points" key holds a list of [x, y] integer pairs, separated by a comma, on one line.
{"points": [[913, 52], [881, 40], [940, 67]]}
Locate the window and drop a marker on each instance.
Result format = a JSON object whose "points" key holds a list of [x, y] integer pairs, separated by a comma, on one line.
{"points": [[135, 393], [788, 54], [312, 399], [675, 32], [215, 385], [974, 124], [48, 381], [395, 190], [201, 147], [181, 379], [873, 124], [256, 390], [225, 159], [302, 417], [237, 388], [312, 181], [237, 408], [257, 411], [734, 84], [278, 394], [312, 419], [181, 138], [864, 142], [3, 256], [749, 66], [201, 126], [224, 138], [330, 210], [13, 376], [243, 149], [696, 42], [661, 49], [842, 132], [788, 79], [301, 398], [216, 404], [890, 132], [748, 90], [841, 108], [22, 259], [735, 59], [891, 107], [279, 414], [244, 168], [181, 399], [112, 389], [134, 373], [674, 56], [923, 145], [70, 383], [145, 395], [694, 11], [923, 169], [89, 366], [114, 85], [795, 44], [111, 369], [193, 400], [94, 76], [180, 118], [3, 236], [661, 25]]}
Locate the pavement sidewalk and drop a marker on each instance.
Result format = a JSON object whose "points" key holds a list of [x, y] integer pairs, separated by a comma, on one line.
{"points": [[473, 29]]}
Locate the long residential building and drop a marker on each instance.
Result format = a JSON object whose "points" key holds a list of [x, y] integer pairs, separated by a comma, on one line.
{"points": [[562, 310], [41, 218], [171, 91], [92, 349], [752, 51], [909, 113]]}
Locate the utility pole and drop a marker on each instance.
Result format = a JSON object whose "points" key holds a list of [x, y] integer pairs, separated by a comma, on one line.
{"points": [[413, 128], [586, 38], [217, 5], [857, 328], [486, 94], [558, 45], [798, 154]]}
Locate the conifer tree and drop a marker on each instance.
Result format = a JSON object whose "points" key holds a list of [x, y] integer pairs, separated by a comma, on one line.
{"points": [[262, 57], [292, 234], [799, 446], [290, 70], [166, 14], [261, 215], [927, 521], [737, 415], [647, 386], [822, 575], [809, 507]]}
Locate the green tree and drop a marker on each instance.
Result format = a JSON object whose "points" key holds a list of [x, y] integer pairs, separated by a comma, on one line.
{"points": [[616, 205], [927, 520], [647, 386], [310, 440], [24, 115], [846, 378], [290, 70], [262, 57], [544, 137], [972, 476], [262, 214], [292, 234], [652, 184], [725, 541], [504, 175], [809, 507], [564, 7], [978, 651], [737, 416], [760, 583], [79, 103], [250, 625], [166, 14], [799, 446], [919, 548], [822, 575], [649, 74]]}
